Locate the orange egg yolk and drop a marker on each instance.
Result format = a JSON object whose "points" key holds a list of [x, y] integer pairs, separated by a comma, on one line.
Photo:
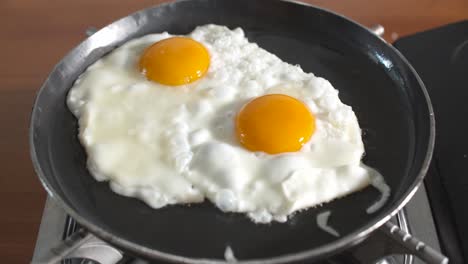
{"points": [[175, 61], [274, 123]]}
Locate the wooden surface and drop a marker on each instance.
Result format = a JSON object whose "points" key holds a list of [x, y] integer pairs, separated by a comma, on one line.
{"points": [[36, 34]]}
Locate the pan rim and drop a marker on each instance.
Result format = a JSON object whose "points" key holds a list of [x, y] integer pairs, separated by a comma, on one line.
{"points": [[322, 251]]}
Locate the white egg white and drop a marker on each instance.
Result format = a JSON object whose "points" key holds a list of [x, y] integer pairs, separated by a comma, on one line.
{"points": [[177, 145]]}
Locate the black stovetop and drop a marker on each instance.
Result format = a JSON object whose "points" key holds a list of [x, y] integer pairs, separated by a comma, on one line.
{"points": [[440, 56]]}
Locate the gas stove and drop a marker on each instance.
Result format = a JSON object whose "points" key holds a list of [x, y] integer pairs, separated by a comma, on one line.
{"points": [[435, 215], [415, 218]]}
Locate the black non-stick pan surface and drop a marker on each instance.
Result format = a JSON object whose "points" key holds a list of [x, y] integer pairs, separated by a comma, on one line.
{"points": [[384, 91]]}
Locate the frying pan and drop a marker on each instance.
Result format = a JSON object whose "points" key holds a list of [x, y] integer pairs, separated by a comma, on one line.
{"points": [[385, 92]]}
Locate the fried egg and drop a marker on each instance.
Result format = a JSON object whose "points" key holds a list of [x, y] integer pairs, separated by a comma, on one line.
{"points": [[180, 119]]}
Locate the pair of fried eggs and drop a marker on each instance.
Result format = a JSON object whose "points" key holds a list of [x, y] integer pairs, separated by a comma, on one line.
{"points": [[177, 119]]}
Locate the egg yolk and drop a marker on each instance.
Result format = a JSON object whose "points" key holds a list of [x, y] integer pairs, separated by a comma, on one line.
{"points": [[175, 61], [274, 123]]}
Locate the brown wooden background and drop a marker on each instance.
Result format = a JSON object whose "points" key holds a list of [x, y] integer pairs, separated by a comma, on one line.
{"points": [[34, 35]]}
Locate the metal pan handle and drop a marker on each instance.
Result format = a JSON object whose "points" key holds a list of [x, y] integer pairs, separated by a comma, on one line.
{"points": [[82, 244], [413, 245], [390, 240]]}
